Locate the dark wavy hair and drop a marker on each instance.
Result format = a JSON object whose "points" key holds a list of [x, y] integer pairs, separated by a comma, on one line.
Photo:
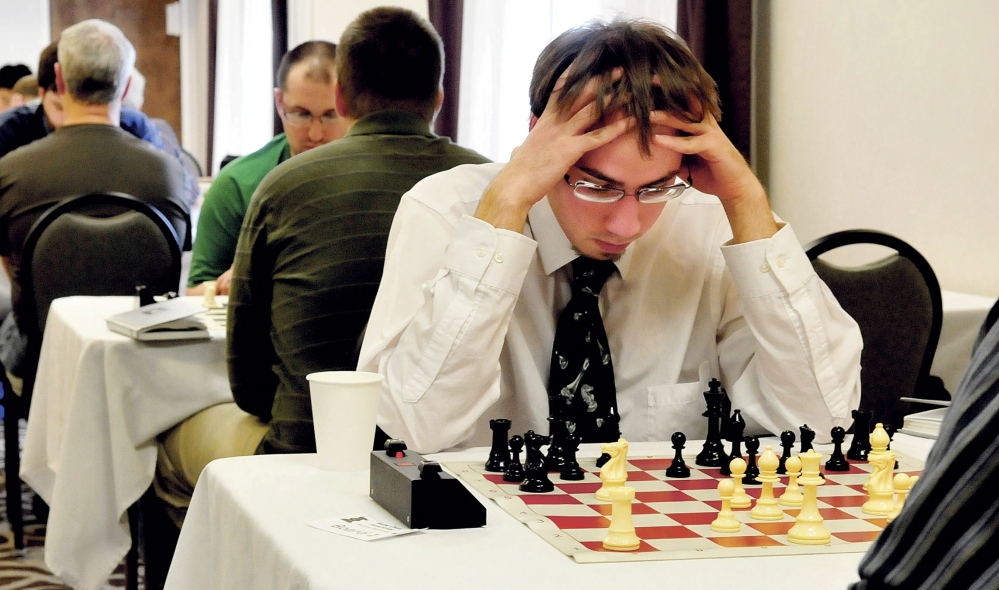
{"points": [[660, 73]]}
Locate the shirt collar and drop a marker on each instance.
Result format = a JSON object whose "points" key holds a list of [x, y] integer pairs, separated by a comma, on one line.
{"points": [[391, 122], [554, 247]]}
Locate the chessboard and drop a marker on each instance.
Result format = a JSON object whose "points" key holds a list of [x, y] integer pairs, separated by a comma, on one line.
{"points": [[672, 517], [214, 319]]}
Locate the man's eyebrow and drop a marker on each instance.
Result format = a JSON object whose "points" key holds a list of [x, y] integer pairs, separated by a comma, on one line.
{"points": [[591, 172]]}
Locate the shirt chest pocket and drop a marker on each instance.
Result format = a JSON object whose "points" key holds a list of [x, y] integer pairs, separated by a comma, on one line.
{"points": [[678, 407]]}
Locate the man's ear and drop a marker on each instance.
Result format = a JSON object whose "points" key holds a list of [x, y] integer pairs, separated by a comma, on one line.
{"points": [[278, 101], [340, 101], [60, 81], [440, 99], [128, 85], [533, 121]]}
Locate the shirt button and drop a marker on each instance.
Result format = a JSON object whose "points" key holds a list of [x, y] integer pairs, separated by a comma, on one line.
{"points": [[781, 261], [764, 267], [481, 252], [498, 257]]}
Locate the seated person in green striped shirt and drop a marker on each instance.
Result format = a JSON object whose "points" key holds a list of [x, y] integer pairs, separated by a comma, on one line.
{"points": [[304, 100]]}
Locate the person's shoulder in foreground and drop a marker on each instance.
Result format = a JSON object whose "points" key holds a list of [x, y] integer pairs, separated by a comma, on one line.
{"points": [[946, 534]]}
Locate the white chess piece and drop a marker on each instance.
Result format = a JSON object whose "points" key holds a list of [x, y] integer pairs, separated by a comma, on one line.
{"points": [[792, 496], [726, 521], [879, 486], [766, 507], [902, 482], [808, 528], [621, 533], [615, 471], [740, 499], [209, 297]]}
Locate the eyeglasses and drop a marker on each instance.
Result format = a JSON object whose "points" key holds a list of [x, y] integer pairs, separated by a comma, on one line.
{"points": [[595, 193], [302, 119]]}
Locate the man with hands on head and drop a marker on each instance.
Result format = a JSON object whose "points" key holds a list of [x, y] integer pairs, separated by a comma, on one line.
{"points": [[706, 282]]}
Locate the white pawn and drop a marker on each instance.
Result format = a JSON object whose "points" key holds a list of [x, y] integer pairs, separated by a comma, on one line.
{"points": [[740, 499], [792, 496], [726, 521], [621, 534], [766, 507], [808, 528], [902, 482], [209, 297]]}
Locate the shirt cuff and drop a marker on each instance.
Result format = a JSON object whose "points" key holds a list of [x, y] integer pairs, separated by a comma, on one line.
{"points": [[499, 258], [767, 267]]}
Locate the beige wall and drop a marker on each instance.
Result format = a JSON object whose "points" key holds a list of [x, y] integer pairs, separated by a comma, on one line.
{"points": [[886, 115]]}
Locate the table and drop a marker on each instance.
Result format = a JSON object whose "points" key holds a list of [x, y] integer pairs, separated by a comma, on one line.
{"points": [[246, 528], [963, 314], [100, 400]]}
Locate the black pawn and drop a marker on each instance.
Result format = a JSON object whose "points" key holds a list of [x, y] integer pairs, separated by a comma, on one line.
{"points": [[736, 426], [861, 444], [678, 468], [713, 453], [535, 473], [838, 462], [514, 469], [752, 469], [807, 436], [499, 454], [570, 467], [787, 444]]}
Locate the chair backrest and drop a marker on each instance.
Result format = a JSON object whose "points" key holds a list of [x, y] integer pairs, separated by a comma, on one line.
{"points": [[96, 244], [897, 303]]}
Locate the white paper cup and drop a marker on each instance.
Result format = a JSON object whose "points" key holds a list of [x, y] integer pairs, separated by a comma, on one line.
{"points": [[344, 410]]}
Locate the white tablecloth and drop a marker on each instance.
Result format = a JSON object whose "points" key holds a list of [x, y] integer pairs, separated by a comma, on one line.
{"points": [[963, 315], [99, 401], [246, 529]]}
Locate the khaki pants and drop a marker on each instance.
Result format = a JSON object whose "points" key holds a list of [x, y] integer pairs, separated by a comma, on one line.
{"points": [[184, 451]]}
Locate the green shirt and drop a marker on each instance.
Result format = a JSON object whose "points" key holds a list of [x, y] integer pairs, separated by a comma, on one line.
{"points": [[225, 207], [309, 261]]}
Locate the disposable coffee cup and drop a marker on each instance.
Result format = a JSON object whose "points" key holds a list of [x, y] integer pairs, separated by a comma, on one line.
{"points": [[344, 410]]}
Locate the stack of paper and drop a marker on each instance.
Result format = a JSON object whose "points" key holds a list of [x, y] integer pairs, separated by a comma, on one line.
{"points": [[925, 424]]}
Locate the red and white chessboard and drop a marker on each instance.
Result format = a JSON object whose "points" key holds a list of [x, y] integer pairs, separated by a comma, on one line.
{"points": [[672, 517]]}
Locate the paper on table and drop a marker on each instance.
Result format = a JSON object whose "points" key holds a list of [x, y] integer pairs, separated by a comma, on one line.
{"points": [[359, 526]]}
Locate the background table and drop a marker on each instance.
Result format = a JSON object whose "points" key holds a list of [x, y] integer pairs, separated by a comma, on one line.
{"points": [[100, 400], [246, 528], [963, 314]]}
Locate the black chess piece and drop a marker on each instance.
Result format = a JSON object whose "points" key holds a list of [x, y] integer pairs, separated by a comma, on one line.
{"points": [[145, 295], [837, 461], [499, 454], [515, 469], [807, 436], [737, 426], [555, 458], [678, 468], [571, 470], [787, 444], [726, 416], [713, 453], [752, 469], [535, 473], [861, 444]]}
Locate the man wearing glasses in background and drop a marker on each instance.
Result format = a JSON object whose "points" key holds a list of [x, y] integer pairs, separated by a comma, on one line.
{"points": [[481, 262], [304, 100]]}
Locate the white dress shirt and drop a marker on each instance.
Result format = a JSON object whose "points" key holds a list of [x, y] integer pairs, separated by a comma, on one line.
{"points": [[463, 323]]}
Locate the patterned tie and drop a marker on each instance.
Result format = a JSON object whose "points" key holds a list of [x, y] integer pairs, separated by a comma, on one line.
{"points": [[581, 382]]}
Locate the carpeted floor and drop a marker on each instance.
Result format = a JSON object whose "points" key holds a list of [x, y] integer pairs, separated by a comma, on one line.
{"points": [[29, 571]]}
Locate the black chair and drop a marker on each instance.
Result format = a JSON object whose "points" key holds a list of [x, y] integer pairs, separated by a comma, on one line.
{"points": [[897, 303], [93, 244], [14, 408]]}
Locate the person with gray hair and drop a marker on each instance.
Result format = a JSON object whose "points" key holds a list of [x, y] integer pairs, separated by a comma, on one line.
{"points": [[88, 153]]}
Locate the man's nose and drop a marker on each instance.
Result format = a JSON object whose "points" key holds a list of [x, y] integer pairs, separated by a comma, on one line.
{"points": [[623, 220]]}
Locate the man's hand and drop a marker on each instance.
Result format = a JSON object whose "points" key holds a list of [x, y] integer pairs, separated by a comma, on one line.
{"points": [[555, 143], [717, 168], [223, 283]]}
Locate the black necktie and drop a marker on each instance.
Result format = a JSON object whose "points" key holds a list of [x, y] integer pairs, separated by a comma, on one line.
{"points": [[581, 382]]}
